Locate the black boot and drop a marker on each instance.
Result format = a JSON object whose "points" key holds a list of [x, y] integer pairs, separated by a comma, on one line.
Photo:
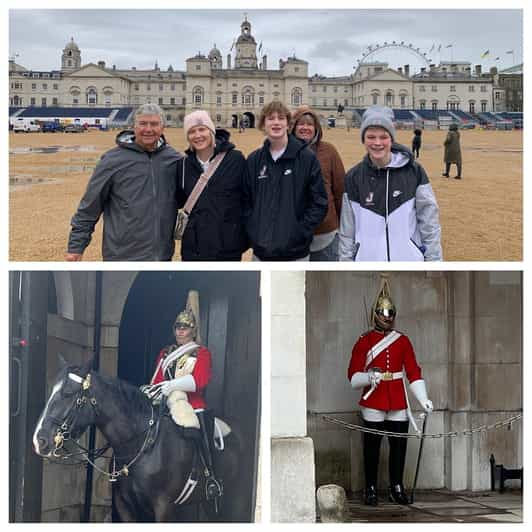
{"points": [[459, 171], [370, 496], [447, 168], [213, 488], [398, 494]]}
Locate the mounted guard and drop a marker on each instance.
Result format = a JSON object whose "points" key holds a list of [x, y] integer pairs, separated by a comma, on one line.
{"points": [[182, 373]]}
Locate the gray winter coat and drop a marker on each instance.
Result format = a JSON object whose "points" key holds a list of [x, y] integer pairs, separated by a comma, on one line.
{"points": [[136, 191]]}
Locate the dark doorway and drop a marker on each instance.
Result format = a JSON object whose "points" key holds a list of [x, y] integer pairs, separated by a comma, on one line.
{"points": [[230, 328]]}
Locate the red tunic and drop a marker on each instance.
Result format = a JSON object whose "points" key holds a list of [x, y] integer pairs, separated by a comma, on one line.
{"points": [[398, 356], [202, 375]]}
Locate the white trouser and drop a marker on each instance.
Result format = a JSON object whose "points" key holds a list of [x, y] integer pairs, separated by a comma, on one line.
{"points": [[371, 414]]}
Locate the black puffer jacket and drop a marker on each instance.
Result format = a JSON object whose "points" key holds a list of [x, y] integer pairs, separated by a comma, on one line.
{"points": [[215, 230], [136, 192], [285, 201]]}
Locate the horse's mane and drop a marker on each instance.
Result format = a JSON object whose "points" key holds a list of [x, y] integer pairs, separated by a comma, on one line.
{"points": [[128, 394]]}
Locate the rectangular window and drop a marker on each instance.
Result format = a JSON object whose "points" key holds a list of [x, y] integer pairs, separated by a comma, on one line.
{"points": [[471, 88], [335, 89], [261, 100], [136, 86], [198, 67], [434, 106], [32, 101], [45, 86], [34, 86], [172, 87], [452, 88], [75, 101], [422, 88], [235, 98], [160, 101], [54, 101], [172, 101], [313, 88], [161, 87], [148, 87], [43, 102], [434, 88], [218, 100], [324, 88], [483, 88]]}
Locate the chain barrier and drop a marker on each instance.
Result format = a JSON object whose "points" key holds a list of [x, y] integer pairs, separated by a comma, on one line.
{"points": [[452, 434]]}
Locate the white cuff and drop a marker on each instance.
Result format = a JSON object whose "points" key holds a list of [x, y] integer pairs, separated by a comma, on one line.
{"points": [[360, 379], [419, 389], [183, 384]]}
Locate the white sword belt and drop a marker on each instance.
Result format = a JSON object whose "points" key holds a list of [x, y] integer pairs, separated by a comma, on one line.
{"points": [[386, 376]]}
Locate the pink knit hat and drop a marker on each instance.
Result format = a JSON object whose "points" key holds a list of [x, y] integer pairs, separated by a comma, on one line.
{"points": [[198, 118]]}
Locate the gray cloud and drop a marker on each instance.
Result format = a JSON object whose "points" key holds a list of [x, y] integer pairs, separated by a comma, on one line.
{"points": [[330, 40]]}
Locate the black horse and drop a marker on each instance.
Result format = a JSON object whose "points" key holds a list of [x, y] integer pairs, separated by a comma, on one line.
{"points": [[153, 459]]}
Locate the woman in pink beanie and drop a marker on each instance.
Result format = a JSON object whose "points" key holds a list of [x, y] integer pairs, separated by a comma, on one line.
{"points": [[214, 230]]}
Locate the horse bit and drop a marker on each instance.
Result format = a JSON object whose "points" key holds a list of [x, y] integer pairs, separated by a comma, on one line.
{"points": [[63, 432]]}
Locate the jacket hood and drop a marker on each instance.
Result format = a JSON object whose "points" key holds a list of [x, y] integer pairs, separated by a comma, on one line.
{"points": [[126, 139], [401, 156], [222, 142], [305, 110]]}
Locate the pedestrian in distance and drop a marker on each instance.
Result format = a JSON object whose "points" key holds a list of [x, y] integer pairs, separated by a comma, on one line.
{"points": [[416, 143], [452, 152]]}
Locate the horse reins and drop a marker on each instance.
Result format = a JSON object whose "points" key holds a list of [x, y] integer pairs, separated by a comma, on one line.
{"points": [[63, 431]]}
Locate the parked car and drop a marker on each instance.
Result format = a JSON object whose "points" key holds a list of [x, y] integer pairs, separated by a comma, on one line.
{"points": [[51, 127], [25, 126], [74, 128]]}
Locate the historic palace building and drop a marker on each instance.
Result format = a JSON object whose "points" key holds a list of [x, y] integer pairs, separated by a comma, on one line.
{"points": [[239, 88]]}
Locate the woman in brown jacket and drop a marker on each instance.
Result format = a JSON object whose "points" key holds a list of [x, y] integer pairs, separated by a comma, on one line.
{"points": [[306, 126]]}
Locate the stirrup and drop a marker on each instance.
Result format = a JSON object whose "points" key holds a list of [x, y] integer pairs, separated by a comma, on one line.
{"points": [[213, 488]]}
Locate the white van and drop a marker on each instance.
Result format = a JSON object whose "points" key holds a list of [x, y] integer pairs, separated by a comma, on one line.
{"points": [[26, 126]]}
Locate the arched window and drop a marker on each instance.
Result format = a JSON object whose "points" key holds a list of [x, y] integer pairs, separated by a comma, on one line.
{"points": [[375, 97], [197, 96], [91, 96], [388, 99], [471, 106], [248, 96], [297, 96]]}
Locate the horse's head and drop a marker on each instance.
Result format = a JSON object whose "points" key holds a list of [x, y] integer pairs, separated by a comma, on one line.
{"points": [[70, 409]]}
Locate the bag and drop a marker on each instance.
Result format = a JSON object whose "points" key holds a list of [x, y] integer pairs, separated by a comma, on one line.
{"points": [[184, 213], [181, 224]]}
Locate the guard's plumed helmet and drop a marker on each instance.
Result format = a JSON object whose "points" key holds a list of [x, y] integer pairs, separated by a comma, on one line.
{"points": [[384, 310]]}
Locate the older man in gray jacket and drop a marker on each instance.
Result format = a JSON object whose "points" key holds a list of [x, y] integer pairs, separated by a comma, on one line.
{"points": [[134, 186]]}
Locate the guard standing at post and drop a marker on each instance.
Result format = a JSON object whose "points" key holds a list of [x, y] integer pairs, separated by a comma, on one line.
{"points": [[380, 360]]}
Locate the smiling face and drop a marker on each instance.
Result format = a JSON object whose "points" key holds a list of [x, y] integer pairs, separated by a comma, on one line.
{"points": [[378, 143], [305, 128], [200, 138], [276, 126], [148, 131]]}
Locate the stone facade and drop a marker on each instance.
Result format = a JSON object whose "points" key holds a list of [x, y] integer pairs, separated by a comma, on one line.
{"points": [[238, 90]]}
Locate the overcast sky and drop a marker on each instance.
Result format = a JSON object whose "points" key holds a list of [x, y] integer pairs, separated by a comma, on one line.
{"points": [[331, 41]]}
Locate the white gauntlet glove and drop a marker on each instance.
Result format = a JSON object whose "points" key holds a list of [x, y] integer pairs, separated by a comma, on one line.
{"points": [[420, 391], [184, 384], [360, 379]]}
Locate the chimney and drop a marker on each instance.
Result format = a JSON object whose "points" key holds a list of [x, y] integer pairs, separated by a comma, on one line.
{"points": [[114, 67], [400, 70], [407, 71], [468, 71], [478, 70], [229, 61], [133, 68], [264, 62], [101, 64]]}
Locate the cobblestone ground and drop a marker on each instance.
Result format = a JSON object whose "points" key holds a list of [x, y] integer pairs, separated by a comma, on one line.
{"points": [[481, 215], [441, 506]]}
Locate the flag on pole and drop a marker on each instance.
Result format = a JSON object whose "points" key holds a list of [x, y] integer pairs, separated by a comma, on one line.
{"points": [[485, 54]]}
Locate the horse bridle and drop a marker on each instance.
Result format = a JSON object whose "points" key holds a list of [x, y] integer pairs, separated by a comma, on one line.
{"points": [[63, 431]]}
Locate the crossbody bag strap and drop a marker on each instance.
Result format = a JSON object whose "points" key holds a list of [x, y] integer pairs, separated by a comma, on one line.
{"points": [[202, 182]]}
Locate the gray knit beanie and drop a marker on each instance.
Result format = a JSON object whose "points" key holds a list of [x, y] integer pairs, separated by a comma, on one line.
{"points": [[378, 116]]}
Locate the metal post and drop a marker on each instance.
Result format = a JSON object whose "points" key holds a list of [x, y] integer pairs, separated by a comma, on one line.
{"points": [[95, 366]]}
